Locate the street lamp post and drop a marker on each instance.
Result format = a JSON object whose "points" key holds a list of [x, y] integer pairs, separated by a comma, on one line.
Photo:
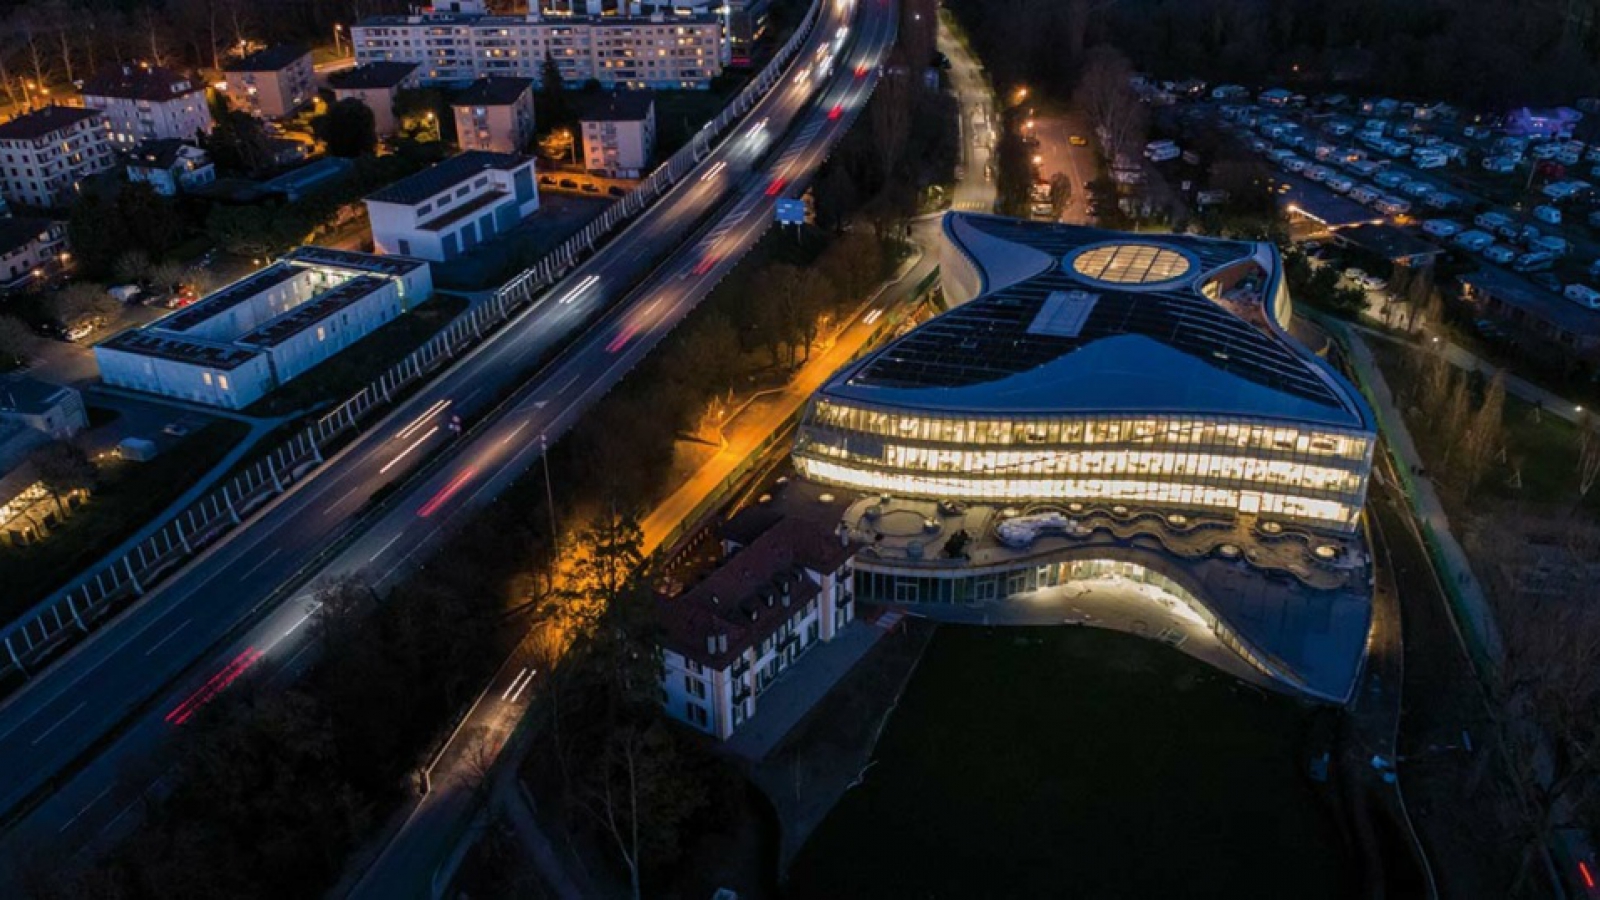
{"points": [[338, 39]]}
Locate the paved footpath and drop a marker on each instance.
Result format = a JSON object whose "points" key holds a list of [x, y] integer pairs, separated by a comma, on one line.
{"points": [[1456, 570]]}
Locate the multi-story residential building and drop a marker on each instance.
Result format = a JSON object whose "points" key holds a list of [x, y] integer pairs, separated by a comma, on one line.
{"points": [[171, 166], [495, 114], [46, 154], [728, 638], [30, 248], [232, 347], [1124, 411], [376, 85], [619, 134], [463, 43], [271, 83], [445, 211], [143, 103]]}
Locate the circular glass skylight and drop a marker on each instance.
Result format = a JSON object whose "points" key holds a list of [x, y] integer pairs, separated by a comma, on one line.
{"points": [[1130, 263]]}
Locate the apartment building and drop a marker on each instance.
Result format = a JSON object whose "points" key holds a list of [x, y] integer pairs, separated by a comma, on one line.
{"points": [[495, 114], [619, 134], [728, 638], [458, 45], [30, 248], [234, 346], [271, 83], [46, 154], [143, 103], [376, 85], [445, 211]]}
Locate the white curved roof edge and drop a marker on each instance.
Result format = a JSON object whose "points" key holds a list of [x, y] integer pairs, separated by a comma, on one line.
{"points": [[1000, 262]]}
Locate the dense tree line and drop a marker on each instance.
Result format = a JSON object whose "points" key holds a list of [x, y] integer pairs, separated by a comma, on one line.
{"points": [[1488, 53]]}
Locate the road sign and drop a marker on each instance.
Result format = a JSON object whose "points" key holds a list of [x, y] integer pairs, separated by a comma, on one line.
{"points": [[791, 212]]}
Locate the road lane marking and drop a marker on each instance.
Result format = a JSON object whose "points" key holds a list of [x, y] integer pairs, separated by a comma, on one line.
{"points": [[97, 798], [407, 451], [170, 635], [59, 722], [264, 560], [506, 694], [386, 546], [514, 432], [344, 496], [416, 423]]}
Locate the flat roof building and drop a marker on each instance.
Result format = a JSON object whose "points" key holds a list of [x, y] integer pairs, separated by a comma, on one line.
{"points": [[1101, 399], [237, 344], [271, 83], [458, 42], [619, 133], [376, 85], [495, 114], [445, 211]]}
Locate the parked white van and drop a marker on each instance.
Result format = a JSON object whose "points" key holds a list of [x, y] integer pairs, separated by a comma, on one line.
{"points": [[1492, 221], [1362, 193], [1547, 214], [1429, 158], [1534, 261], [1393, 206], [1582, 293], [1551, 244]]}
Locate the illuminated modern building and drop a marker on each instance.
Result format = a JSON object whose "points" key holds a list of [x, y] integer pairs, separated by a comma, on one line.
{"points": [[1099, 404]]}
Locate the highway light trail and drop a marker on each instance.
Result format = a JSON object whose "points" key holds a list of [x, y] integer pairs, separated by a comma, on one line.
{"points": [[714, 171], [407, 451], [445, 493], [214, 686], [871, 317], [621, 340]]}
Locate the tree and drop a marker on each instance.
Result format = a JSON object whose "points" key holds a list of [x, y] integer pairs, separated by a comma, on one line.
{"points": [[131, 266], [348, 128], [1588, 454], [63, 468], [244, 230], [554, 111], [17, 343], [1485, 437], [558, 145], [1105, 94], [602, 568], [1060, 194], [81, 301]]}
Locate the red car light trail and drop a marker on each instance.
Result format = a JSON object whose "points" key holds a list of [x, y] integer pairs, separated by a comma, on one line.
{"points": [[445, 493], [213, 686]]}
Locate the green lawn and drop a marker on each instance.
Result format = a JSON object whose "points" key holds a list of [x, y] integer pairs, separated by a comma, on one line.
{"points": [[1060, 762], [337, 379], [130, 494]]}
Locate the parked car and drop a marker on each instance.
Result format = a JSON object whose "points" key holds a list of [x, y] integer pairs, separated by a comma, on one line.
{"points": [[1582, 293], [1534, 261], [1473, 241], [1373, 283], [1547, 214]]}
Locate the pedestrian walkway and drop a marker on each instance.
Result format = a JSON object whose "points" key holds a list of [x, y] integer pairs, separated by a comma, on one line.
{"points": [[755, 424], [797, 691], [1462, 358], [1454, 568], [517, 804]]}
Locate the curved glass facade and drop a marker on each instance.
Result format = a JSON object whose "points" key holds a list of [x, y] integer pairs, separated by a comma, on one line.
{"points": [[1313, 475]]}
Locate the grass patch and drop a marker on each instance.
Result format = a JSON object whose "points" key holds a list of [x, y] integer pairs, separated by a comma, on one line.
{"points": [[1049, 762], [129, 496], [336, 379]]}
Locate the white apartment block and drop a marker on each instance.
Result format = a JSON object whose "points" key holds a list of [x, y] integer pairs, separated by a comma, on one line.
{"points": [[619, 134], [144, 103], [271, 83], [445, 211], [46, 154], [30, 248], [234, 346], [495, 114], [732, 635], [676, 51]]}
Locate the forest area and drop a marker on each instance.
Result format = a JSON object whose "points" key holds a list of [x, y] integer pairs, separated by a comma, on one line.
{"points": [[1489, 54]]}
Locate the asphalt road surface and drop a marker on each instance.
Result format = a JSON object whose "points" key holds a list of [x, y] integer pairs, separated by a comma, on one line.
{"points": [[124, 675]]}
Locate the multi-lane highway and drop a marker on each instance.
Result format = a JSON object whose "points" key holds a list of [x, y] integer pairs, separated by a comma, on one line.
{"points": [[129, 668]]}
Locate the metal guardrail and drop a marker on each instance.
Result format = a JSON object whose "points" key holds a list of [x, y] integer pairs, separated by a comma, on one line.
{"points": [[67, 616]]}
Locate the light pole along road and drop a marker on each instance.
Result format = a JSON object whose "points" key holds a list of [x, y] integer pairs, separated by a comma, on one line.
{"points": [[125, 668]]}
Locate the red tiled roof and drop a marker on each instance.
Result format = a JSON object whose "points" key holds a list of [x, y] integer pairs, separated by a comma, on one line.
{"points": [[743, 598]]}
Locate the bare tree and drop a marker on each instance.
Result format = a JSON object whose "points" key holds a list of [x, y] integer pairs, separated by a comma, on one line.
{"points": [[1485, 438], [1106, 94], [615, 800], [1588, 455]]}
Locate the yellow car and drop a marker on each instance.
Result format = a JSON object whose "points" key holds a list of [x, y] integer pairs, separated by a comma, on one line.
{"points": [[1078, 140]]}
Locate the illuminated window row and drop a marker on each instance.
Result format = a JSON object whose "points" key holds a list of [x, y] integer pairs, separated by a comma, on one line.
{"points": [[1106, 490], [1089, 430], [1209, 467]]}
